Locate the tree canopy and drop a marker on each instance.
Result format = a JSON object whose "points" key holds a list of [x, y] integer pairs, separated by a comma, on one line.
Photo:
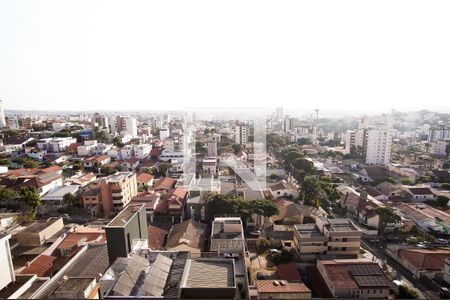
{"points": [[387, 215]]}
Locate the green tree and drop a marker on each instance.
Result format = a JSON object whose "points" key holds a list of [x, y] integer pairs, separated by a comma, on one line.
{"points": [[7, 194], [70, 199], [30, 164], [404, 292], [310, 189], [442, 201], [4, 162], [161, 169], [31, 197], [387, 215], [316, 203], [117, 142], [236, 148]]}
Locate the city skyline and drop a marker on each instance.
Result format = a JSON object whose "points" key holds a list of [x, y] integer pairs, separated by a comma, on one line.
{"points": [[71, 56]]}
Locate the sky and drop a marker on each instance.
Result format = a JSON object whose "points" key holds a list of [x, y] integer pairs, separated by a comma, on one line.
{"points": [[144, 55]]}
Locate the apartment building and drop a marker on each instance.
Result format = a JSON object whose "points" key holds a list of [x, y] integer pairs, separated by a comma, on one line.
{"points": [[142, 151], [378, 146], [328, 238], [117, 190], [7, 275], [241, 133]]}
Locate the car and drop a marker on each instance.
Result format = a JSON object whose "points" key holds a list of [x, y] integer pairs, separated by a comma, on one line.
{"points": [[228, 255], [274, 251], [256, 233]]}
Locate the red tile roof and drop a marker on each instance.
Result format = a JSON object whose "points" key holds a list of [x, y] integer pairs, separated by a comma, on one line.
{"points": [[144, 177], [288, 272], [156, 237], [165, 184], [75, 238], [42, 266], [425, 259], [190, 232]]}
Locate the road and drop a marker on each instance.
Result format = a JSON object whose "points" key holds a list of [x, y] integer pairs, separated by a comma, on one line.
{"points": [[405, 275]]}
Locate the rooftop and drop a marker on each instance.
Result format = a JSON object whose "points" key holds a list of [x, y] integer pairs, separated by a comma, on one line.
{"points": [[38, 226], [125, 216], [208, 273], [281, 286], [120, 176]]}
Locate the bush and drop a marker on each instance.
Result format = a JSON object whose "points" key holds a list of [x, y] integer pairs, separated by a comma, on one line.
{"points": [[404, 292], [282, 258]]}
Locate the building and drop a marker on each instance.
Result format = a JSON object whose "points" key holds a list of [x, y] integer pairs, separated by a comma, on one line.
{"points": [[187, 236], [55, 145], [288, 124], [38, 232], [440, 148], [426, 218], [144, 180], [172, 275], [420, 261], [279, 113], [241, 132], [129, 226], [7, 275], [142, 151], [101, 121], [354, 278], [447, 270], [378, 146], [420, 194], [227, 235], [438, 133], [211, 147], [281, 289], [117, 191], [56, 195], [328, 238], [87, 148], [2, 115]]}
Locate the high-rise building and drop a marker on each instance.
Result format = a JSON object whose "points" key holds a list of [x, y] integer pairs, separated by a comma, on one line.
{"points": [[279, 113], [124, 125], [117, 190], [378, 146], [99, 120], [241, 133], [127, 228], [131, 126], [438, 133], [2, 115], [211, 145], [288, 124]]}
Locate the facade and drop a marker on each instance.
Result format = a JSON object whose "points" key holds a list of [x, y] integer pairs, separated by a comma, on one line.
{"points": [[124, 230], [55, 145], [117, 191], [2, 115], [241, 133], [354, 278], [7, 275], [328, 238], [447, 270], [142, 151], [441, 148], [378, 146]]}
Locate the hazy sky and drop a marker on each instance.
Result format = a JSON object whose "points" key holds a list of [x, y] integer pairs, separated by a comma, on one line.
{"points": [[347, 55]]}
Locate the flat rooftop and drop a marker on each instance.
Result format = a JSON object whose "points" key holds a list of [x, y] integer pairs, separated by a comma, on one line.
{"points": [[38, 226], [74, 284], [308, 230], [125, 216], [208, 273], [341, 225], [120, 176]]}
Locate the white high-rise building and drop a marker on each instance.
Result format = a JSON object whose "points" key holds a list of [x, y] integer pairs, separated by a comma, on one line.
{"points": [[241, 133], [378, 146], [2, 115], [130, 126], [279, 113], [288, 124]]}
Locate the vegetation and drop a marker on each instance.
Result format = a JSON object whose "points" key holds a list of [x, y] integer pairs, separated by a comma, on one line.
{"points": [[161, 169], [70, 199], [31, 198], [440, 201], [314, 190], [4, 162], [281, 258], [236, 148], [404, 292], [7, 194], [405, 181], [117, 142], [217, 204], [387, 215], [297, 164]]}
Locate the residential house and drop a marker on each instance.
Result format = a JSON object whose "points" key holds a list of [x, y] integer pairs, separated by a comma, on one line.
{"points": [[354, 278], [420, 194], [144, 180], [281, 289], [426, 218], [39, 231], [187, 236], [96, 162], [156, 237], [56, 195], [284, 189], [151, 200]]}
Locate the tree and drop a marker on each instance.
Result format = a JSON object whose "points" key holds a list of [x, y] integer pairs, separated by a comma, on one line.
{"points": [[404, 292], [236, 148], [446, 165], [70, 199], [263, 207], [316, 203], [310, 189], [405, 181], [387, 215], [7, 194], [117, 142], [4, 162], [31, 197], [161, 169], [442, 201], [30, 164]]}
